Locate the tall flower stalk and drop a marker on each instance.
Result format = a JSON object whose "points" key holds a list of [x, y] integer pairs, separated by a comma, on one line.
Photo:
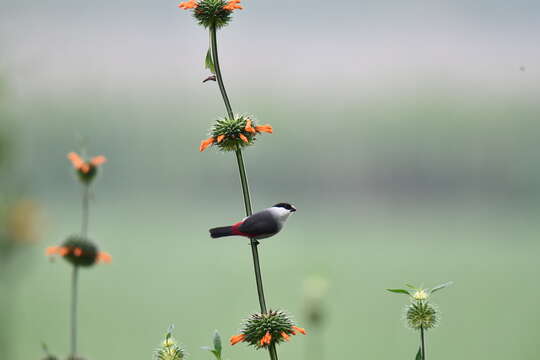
{"points": [[244, 181], [232, 133], [78, 250]]}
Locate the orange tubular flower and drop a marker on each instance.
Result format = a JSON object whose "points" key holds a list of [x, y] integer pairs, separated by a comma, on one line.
{"points": [[264, 128], [267, 338], [186, 5], [285, 336], [104, 257], [78, 162], [56, 250], [85, 166], [244, 138], [249, 128], [236, 339], [206, 143], [220, 138], [233, 5], [300, 330]]}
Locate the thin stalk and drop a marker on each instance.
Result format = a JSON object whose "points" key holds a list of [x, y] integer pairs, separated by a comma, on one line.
{"points": [[243, 179], [423, 345], [85, 213], [85, 210], [74, 300]]}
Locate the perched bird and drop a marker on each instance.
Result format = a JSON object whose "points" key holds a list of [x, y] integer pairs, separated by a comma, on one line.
{"points": [[260, 225]]}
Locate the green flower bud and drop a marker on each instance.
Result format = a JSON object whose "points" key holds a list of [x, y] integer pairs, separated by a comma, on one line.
{"points": [[79, 251], [232, 134], [263, 330], [421, 314], [211, 13], [169, 350]]}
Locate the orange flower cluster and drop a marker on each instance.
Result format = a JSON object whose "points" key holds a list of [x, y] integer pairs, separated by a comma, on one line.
{"points": [[102, 257], [249, 128], [192, 4], [267, 338], [85, 166], [233, 5]]}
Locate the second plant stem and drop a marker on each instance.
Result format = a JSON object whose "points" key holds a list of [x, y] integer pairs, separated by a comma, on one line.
{"points": [[243, 179], [422, 343], [75, 274]]}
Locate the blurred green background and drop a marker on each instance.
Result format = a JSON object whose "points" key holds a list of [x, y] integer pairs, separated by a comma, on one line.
{"points": [[406, 133]]}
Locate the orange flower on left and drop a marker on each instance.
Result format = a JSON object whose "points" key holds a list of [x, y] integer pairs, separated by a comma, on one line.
{"points": [[86, 170], [191, 4]]}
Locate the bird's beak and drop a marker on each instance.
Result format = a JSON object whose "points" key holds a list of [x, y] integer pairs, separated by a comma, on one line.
{"points": [[293, 209]]}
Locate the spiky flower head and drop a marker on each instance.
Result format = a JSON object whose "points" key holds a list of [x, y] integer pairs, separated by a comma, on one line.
{"points": [[86, 169], [79, 251], [232, 134], [169, 349], [421, 315], [262, 330], [212, 13]]}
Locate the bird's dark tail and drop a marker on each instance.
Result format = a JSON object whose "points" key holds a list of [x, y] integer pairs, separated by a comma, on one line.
{"points": [[221, 231]]}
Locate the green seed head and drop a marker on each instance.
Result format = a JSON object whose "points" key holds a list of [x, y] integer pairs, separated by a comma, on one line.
{"points": [[212, 13], [263, 330], [170, 349], [421, 314], [80, 251], [231, 134]]}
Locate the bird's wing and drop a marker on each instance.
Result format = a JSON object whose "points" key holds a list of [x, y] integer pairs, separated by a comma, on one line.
{"points": [[261, 223]]}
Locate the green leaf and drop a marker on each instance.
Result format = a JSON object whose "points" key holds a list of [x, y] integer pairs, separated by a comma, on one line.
{"points": [[208, 63], [419, 354], [217, 342], [442, 286], [399, 291]]}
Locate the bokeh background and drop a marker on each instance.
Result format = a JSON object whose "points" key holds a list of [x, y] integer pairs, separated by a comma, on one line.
{"points": [[406, 133]]}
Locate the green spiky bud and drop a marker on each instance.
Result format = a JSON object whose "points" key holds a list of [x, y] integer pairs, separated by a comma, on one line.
{"points": [[211, 13], [169, 349], [232, 134], [421, 315], [86, 169], [79, 251], [263, 330]]}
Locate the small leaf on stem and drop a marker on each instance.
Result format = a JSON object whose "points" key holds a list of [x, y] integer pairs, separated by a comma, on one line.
{"points": [[217, 342], [442, 286], [208, 63], [399, 291], [419, 354]]}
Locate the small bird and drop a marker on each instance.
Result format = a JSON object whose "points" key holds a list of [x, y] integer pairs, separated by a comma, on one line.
{"points": [[261, 225]]}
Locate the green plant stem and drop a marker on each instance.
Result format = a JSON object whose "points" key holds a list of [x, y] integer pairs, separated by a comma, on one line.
{"points": [[74, 300], [85, 210], [423, 345], [219, 77], [243, 179], [85, 213]]}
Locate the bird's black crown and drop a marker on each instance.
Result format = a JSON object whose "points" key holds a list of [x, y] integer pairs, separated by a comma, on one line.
{"points": [[286, 206]]}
